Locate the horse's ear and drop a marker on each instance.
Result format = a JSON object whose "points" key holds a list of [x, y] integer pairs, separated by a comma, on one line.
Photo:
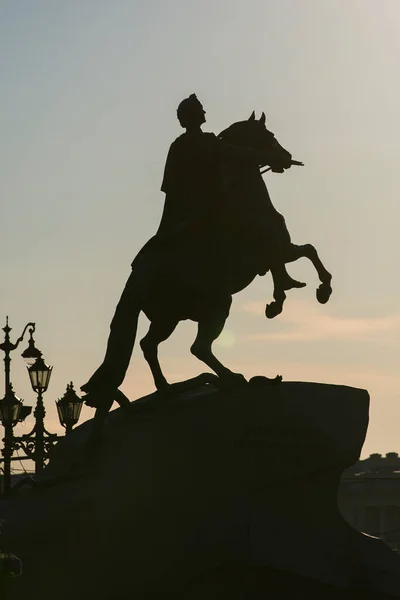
{"points": [[252, 116], [263, 118]]}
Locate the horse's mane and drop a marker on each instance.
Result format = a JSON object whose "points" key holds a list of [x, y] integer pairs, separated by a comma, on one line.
{"points": [[235, 169], [226, 134], [242, 179]]}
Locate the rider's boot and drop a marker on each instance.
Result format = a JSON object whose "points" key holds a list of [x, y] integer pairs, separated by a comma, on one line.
{"points": [[279, 273]]}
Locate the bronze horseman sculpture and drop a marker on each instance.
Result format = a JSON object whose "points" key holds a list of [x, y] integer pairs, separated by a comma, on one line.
{"points": [[218, 231]]}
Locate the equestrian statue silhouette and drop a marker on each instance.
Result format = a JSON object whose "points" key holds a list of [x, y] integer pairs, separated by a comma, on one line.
{"points": [[218, 231]]}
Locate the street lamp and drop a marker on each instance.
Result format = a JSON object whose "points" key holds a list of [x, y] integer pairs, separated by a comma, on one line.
{"points": [[35, 443], [13, 410], [9, 404], [31, 353], [69, 408], [38, 444], [10, 408], [10, 414], [39, 374]]}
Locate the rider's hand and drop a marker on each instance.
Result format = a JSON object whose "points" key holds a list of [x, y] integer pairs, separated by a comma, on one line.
{"points": [[277, 169]]}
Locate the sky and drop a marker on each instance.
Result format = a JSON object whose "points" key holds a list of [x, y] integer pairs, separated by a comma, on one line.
{"points": [[87, 114]]}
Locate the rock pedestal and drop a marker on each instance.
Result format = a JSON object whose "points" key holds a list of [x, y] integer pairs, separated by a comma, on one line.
{"points": [[188, 493]]}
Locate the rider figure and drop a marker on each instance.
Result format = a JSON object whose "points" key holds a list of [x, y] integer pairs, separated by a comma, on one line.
{"points": [[193, 184]]}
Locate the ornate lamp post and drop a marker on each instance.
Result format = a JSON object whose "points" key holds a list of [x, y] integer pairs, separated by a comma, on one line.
{"points": [[37, 444], [10, 412], [11, 408], [33, 443], [30, 354], [69, 408]]}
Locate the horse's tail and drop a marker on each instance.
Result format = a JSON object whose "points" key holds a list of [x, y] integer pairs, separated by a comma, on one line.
{"points": [[102, 387]]}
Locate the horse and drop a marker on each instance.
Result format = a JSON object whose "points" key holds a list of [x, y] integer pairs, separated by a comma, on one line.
{"points": [[237, 135], [244, 248]]}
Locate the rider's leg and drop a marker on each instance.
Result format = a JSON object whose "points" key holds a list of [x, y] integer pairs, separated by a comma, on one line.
{"points": [[158, 332], [282, 278], [278, 245]]}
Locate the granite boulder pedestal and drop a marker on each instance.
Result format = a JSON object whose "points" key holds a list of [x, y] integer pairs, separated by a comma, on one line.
{"points": [[206, 494]]}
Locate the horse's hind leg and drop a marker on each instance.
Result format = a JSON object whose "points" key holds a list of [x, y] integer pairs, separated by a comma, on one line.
{"points": [[308, 251], [209, 328], [158, 332]]}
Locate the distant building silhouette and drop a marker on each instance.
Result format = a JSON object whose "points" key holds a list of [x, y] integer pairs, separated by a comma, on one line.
{"points": [[369, 497]]}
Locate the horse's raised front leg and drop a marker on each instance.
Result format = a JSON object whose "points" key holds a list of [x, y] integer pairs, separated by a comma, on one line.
{"points": [[282, 283], [324, 291], [276, 307]]}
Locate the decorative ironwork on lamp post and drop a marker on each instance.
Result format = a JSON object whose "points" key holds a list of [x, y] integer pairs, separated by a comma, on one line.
{"points": [[11, 409], [38, 443]]}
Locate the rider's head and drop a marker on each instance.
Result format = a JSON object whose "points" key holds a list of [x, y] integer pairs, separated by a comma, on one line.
{"points": [[191, 112]]}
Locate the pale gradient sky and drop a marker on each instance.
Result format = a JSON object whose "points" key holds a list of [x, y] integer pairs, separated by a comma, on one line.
{"points": [[87, 113]]}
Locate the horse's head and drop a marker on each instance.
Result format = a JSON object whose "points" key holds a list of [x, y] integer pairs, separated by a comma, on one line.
{"points": [[254, 135]]}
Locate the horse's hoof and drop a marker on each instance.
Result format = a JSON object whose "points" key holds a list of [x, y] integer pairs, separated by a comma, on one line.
{"points": [[99, 398], [239, 379], [122, 400], [233, 380], [324, 293], [165, 391], [90, 400], [263, 380], [273, 310]]}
